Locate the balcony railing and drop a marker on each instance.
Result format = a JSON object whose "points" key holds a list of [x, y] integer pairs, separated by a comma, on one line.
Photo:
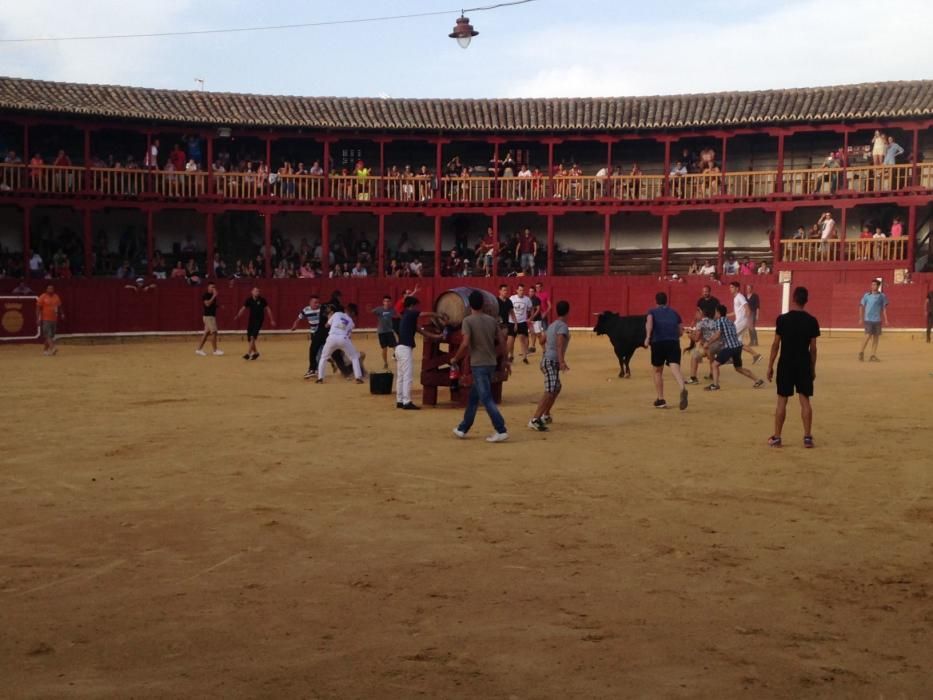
{"points": [[879, 249], [123, 182]]}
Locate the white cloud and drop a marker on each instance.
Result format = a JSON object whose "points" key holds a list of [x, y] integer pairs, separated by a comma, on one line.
{"points": [[119, 61], [816, 42]]}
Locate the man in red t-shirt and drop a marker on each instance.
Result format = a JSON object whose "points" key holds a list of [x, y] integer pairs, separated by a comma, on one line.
{"points": [[526, 251], [48, 312]]}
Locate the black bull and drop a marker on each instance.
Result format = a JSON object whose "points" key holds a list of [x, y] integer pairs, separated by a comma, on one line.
{"points": [[627, 334]]}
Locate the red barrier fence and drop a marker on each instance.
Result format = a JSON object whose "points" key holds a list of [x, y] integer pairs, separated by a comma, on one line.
{"points": [[105, 306]]}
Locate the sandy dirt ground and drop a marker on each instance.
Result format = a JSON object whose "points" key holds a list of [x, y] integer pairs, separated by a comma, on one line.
{"points": [[179, 526]]}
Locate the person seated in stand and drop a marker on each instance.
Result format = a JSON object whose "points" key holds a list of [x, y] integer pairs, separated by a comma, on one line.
{"points": [[452, 264], [394, 269], [747, 267], [694, 268], [800, 234], [192, 273], [126, 272], [763, 268], [731, 267], [140, 286], [358, 270], [415, 268], [708, 269]]}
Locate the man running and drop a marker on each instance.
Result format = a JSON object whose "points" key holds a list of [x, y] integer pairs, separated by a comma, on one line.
{"points": [[754, 306], [258, 310], [481, 336], [521, 310], [505, 316], [49, 311], [731, 350], [209, 316], [340, 327], [534, 320], [386, 331], [742, 313], [312, 315], [663, 329], [872, 309], [795, 335], [553, 362]]}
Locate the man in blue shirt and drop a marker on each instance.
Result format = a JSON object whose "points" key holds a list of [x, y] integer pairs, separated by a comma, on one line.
{"points": [[663, 329], [731, 350], [872, 309]]}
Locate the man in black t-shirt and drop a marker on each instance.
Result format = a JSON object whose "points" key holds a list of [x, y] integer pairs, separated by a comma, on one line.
{"points": [[209, 315], [707, 303], [929, 308], [258, 310], [795, 335], [534, 320]]}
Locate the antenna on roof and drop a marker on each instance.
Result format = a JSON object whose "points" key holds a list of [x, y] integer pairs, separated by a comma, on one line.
{"points": [[200, 82]]}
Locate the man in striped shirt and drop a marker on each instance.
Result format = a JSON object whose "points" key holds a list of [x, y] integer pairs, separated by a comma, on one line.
{"points": [[731, 349], [312, 314]]}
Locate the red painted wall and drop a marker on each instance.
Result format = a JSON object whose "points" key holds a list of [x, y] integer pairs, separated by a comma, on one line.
{"points": [[104, 306]]}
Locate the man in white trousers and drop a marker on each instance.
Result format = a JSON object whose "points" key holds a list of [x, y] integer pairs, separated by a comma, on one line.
{"points": [[405, 350], [341, 325]]}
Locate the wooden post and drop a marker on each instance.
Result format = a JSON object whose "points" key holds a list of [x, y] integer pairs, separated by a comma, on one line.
{"points": [[209, 166], [149, 184], [721, 243], [550, 170], [495, 245], [26, 154], [381, 253], [327, 191], [87, 159], [843, 224], [267, 245], [209, 237], [779, 184], [495, 175], [381, 188], [667, 168], [914, 152], [325, 239], [665, 235], [550, 245], [27, 239], [845, 160], [150, 241], [778, 235], [722, 169], [911, 237], [606, 252], [88, 245], [437, 246]]}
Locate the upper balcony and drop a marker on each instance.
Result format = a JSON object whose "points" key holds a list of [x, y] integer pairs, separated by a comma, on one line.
{"points": [[864, 181]]}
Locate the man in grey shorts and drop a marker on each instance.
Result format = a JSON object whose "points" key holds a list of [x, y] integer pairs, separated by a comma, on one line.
{"points": [[48, 311]]}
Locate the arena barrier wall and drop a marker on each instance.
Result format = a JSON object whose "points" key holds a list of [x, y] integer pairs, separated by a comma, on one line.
{"points": [[104, 306]]}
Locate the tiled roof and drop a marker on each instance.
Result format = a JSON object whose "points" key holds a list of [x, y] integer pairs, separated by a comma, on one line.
{"points": [[868, 101]]}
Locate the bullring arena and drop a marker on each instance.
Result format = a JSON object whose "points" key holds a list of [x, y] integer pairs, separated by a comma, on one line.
{"points": [[185, 526]]}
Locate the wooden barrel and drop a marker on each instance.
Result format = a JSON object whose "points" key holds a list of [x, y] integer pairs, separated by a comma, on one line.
{"points": [[455, 303]]}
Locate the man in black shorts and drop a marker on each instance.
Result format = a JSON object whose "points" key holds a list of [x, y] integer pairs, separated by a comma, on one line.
{"points": [[795, 335], [258, 309], [385, 315], [663, 329]]}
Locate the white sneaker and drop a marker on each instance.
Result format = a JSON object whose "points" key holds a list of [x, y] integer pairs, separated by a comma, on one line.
{"points": [[218, 352], [459, 433], [498, 437], [201, 353]]}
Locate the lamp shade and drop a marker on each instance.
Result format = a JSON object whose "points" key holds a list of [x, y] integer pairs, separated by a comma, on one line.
{"points": [[463, 32]]}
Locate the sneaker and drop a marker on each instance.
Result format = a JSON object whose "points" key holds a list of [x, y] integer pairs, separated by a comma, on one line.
{"points": [[707, 377], [660, 403], [385, 366], [498, 437], [808, 441], [459, 433], [547, 419], [254, 356], [309, 375], [760, 383], [774, 441], [54, 351], [683, 399], [692, 380], [525, 360], [861, 357], [246, 356], [218, 353], [756, 360], [318, 381], [399, 404], [537, 424], [359, 380], [532, 351], [873, 358], [200, 352], [409, 406], [712, 387]]}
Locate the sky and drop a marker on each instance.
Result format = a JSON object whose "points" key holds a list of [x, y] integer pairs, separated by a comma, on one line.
{"points": [[547, 48]]}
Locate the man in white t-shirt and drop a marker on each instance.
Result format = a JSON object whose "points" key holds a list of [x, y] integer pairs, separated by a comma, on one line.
{"points": [[152, 157], [341, 325], [521, 311], [741, 311], [708, 269], [827, 229]]}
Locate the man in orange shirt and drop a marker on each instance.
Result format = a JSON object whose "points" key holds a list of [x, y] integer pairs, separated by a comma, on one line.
{"points": [[48, 312]]}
